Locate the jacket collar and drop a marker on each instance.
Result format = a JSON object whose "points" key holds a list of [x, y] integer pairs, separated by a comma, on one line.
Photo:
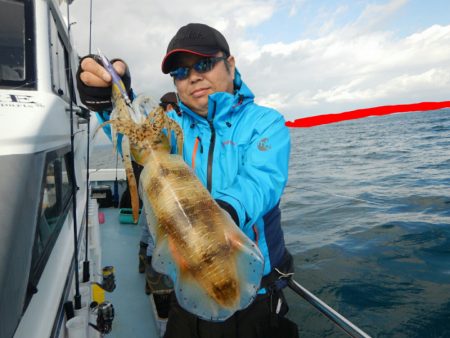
{"points": [[221, 104]]}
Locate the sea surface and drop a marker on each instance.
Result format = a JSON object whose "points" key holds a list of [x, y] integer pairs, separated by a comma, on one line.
{"points": [[366, 214]]}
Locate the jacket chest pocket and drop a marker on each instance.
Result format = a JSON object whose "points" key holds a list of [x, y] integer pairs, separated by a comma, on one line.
{"points": [[231, 162]]}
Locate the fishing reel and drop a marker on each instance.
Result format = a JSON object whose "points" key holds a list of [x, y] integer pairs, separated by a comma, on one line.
{"points": [[108, 279], [105, 317]]}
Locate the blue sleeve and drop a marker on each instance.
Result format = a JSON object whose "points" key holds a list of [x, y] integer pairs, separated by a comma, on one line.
{"points": [[103, 117], [173, 144]]}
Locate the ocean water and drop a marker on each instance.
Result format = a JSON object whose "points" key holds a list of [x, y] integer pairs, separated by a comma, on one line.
{"points": [[104, 157], [366, 214]]}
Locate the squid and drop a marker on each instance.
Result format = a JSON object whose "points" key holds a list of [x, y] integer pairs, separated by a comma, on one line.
{"points": [[216, 269]]}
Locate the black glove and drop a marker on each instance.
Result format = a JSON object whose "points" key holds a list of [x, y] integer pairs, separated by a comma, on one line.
{"points": [[99, 98], [228, 208]]}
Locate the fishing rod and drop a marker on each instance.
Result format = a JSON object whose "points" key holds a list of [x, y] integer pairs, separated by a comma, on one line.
{"points": [[351, 329], [86, 264], [77, 296], [90, 26]]}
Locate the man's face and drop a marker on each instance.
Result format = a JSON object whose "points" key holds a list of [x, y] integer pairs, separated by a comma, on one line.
{"points": [[169, 107], [194, 90]]}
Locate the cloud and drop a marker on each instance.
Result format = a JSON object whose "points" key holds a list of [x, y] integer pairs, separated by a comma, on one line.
{"points": [[344, 65], [375, 15], [353, 67], [400, 86], [139, 32]]}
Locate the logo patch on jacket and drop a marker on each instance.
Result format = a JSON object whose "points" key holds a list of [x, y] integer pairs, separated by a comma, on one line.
{"points": [[228, 142], [264, 145]]}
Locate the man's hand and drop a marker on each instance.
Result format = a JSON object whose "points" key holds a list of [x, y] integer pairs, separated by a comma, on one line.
{"points": [[95, 75], [94, 82]]}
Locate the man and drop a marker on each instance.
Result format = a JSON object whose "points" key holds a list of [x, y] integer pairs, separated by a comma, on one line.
{"points": [[169, 102], [240, 152]]}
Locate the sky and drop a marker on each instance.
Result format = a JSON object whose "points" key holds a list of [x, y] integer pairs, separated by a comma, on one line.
{"points": [[301, 57]]}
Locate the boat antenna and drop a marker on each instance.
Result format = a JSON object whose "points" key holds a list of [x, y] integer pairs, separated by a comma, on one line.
{"points": [[90, 27], [77, 297], [86, 267]]}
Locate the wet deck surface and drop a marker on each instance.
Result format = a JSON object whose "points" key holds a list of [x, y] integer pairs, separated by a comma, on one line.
{"points": [[120, 246]]}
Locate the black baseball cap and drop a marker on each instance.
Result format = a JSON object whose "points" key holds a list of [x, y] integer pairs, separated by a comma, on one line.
{"points": [[195, 38], [169, 97]]}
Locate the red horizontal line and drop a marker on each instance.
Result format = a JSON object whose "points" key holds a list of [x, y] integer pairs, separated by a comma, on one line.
{"points": [[312, 121]]}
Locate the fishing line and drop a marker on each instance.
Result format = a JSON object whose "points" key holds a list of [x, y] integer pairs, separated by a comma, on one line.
{"points": [[80, 131], [25, 84], [336, 195]]}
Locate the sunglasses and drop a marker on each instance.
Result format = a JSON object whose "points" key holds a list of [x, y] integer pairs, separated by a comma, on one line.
{"points": [[203, 66]]}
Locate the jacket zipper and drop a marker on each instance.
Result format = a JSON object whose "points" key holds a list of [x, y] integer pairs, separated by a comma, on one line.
{"points": [[211, 151]]}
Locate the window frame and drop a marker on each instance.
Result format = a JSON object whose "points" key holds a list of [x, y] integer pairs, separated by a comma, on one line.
{"points": [[60, 78], [38, 264], [29, 82]]}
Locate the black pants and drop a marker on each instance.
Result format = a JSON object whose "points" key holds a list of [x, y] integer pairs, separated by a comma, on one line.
{"points": [[259, 320]]}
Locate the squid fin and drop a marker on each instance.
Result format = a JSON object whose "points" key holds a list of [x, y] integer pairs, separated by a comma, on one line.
{"points": [[250, 267], [192, 296]]}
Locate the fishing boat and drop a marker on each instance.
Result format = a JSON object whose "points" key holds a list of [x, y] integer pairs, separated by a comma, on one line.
{"points": [[52, 283], [46, 213], [59, 222]]}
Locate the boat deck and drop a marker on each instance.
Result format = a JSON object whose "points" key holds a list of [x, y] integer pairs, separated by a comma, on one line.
{"points": [[133, 308]]}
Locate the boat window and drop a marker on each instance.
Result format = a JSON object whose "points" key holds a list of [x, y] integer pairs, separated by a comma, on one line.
{"points": [[59, 62], [17, 62], [55, 203]]}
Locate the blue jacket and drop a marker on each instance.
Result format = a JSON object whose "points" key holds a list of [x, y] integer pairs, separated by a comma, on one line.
{"points": [[240, 152]]}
